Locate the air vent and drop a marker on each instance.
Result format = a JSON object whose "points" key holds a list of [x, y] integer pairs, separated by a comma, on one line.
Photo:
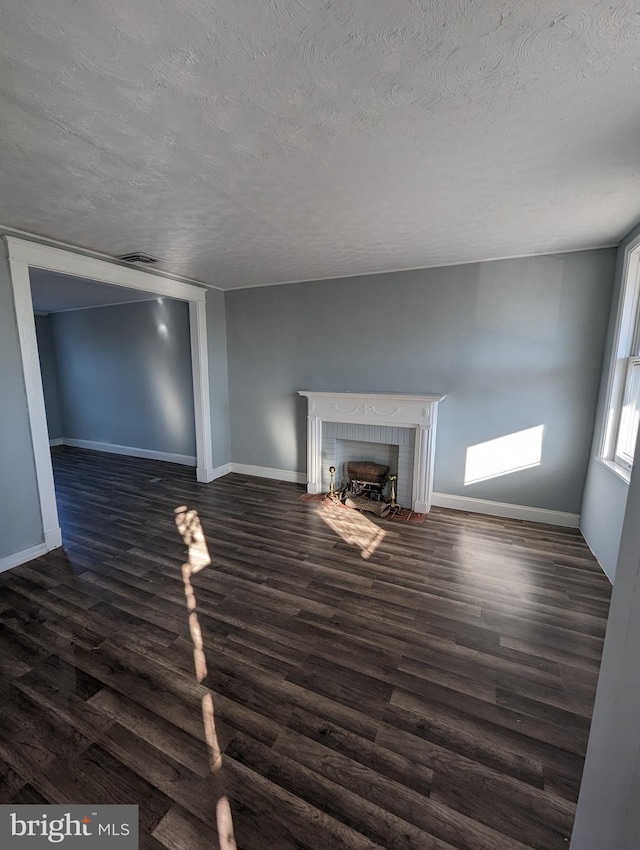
{"points": [[138, 257]]}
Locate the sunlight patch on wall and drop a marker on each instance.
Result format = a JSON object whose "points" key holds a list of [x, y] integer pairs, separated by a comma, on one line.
{"points": [[169, 404], [504, 455]]}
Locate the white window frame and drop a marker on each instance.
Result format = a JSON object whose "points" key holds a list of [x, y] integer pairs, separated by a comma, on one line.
{"points": [[621, 456], [625, 357]]}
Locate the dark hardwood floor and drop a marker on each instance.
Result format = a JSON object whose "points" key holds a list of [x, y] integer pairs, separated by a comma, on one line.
{"points": [[328, 681]]}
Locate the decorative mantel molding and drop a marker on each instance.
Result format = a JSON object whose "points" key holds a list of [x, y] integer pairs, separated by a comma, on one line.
{"points": [[402, 411]]}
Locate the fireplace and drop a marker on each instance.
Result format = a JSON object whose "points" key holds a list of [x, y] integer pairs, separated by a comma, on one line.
{"points": [[407, 422], [392, 446]]}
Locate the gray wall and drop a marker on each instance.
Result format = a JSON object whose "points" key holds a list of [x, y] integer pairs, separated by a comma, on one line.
{"points": [[603, 506], [20, 521], [605, 494], [515, 343], [125, 375], [49, 372], [608, 814], [218, 379]]}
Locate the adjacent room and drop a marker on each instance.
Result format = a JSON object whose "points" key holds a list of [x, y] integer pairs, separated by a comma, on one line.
{"points": [[116, 368], [319, 356]]}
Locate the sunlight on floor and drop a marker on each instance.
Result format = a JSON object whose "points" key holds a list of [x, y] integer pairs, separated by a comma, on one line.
{"points": [[188, 524], [190, 528], [486, 562], [353, 527], [215, 755], [504, 455], [225, 825]]}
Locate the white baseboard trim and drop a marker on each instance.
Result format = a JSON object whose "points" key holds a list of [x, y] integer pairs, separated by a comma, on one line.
{"points": [[129, 451], [53, 539], [11, 561], [57, 441], [485, 506], [219, 471], [268, 472]]}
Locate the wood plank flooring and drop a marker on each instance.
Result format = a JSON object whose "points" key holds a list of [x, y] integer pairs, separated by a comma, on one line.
{"points": [[331, 680]]}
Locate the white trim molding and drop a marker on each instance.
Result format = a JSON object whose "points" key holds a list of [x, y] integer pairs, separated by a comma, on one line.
{"points": [[504, 509], [627, 329], [129, 451], [53, 539], [268, 472], [23, 255], [11, 561], [622, 472], [201, 404], [40, 256], [25, 320], [38, 239], [397, 410]]}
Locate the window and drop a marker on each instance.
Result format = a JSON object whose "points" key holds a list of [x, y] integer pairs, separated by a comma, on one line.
{"points": [[628, 427], [623, 410]]}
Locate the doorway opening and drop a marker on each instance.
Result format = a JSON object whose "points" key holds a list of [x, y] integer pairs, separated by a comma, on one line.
{"points": [[26, 256]]}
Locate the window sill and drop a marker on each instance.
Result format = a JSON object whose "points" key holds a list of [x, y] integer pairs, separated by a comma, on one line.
{"points": [[621, 471]]}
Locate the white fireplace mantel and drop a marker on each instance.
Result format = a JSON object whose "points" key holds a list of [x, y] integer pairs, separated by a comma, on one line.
{"points": [[402, 411]]}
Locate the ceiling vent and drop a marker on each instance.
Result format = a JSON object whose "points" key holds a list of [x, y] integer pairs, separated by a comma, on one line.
{"points": [[139, 257]]}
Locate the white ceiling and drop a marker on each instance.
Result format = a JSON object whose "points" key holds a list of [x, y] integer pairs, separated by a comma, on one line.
{"points": [[53, 293], [247, 142]]}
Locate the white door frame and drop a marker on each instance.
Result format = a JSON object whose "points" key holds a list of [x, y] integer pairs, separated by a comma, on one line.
{"points": [[22, 255]]}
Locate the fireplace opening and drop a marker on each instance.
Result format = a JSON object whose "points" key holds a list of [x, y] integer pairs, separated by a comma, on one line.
{"points": [[390, 447], [360, 451], [369, 487]]}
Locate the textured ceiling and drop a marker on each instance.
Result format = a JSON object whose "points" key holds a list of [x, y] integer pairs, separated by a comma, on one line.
{"points": [[52, 292], [247, 142]]}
